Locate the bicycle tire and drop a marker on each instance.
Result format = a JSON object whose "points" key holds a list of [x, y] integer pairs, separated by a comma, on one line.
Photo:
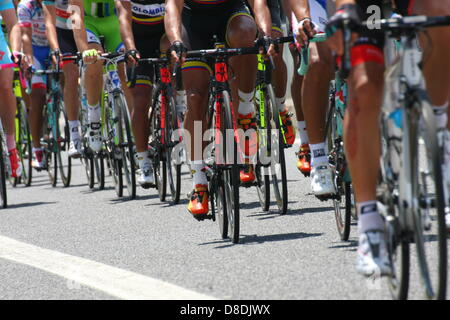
{"points": [[126, 146], [432, 290], [262, 171], [231, 181], [159, 162], [278, 174], [3, 173], [24, 144], [173, 162], [63, 141], [51, 159], [113, 150]]}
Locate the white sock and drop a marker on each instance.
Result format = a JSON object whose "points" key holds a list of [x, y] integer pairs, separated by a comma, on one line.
{"points": [[198, 174], [303, 134], [94, 113], [440, 114], [319, 154], [180, 101], [368, 216], [73, 127], [281, 103], [246, 102], [143, 159]]}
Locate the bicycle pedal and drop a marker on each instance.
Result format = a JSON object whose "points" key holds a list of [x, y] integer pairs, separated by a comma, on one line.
{"points": [[148, 185], [327, 197]]}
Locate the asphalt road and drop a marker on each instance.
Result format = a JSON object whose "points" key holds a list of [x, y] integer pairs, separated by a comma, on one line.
{"points": [[74, 243]]}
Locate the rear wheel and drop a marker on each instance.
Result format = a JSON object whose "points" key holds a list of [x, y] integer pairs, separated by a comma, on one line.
{"points": [[113, 150], [24, 147], [3, 174], [159, 160], [278, 162], [230, 175], [126, 145], [62, 147], [173, 152]]}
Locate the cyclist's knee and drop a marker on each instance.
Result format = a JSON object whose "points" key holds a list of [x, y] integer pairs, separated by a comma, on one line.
{"points": [[241, 32]]}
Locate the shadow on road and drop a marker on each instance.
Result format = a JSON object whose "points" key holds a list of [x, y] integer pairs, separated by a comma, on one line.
{"points": [[255, 239], [349, 245], [29, 204]]}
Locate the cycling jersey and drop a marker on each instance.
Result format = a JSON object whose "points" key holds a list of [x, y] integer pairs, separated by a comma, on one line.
{"points": [[148, 29], [100, 19], [210, 6], [5, 53], [62, 15], [31, 15]]}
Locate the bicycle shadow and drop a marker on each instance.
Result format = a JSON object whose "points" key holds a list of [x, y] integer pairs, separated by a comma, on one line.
{"points": [[255, 239], [350, 245], [29, 204]]}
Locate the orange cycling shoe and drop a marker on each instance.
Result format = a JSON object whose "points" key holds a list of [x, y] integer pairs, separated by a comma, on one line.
{"points": [[198, 205], [304, 160], [289, 130], [247, 175], [247, 122], [16, 166]]}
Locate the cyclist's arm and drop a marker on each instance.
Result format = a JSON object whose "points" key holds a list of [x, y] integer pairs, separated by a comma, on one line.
{"points": [[10, 20], [125, 20], [300, 8], [172, 19], [79, 30], [25, 24], [262, 16], [50, 29]]}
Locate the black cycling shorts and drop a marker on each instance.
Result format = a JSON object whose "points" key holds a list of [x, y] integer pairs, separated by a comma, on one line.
{"points": [[200, 27], [147, 40], [67, 44]]}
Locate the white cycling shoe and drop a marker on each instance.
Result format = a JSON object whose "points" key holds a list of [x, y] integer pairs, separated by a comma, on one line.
{"points": [[75, 148], [322, 180], [95, 136], [373, 258], [447, 221], [146, 178]]}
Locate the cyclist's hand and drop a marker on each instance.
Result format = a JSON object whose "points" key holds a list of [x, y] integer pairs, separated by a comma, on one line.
{"points": [[90, 56], [266, 46], [56, 56], [178, 52], [305, 31], [347, 12], [21, 59], [132, 56]]}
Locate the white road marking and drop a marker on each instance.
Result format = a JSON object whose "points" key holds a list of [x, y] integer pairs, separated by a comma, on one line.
{"points": [[116, 282]]}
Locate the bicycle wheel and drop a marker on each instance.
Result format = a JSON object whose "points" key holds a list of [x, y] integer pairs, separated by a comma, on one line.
{"points": [[159, 161], [278, 162], [173, 153], [429, 219], [126, 146], [230, 175], [50, 153], [88, 162], [262, 171], [113, 152], [99, 165], [62, 147], [343, 202], [24, 148], [3, 170], [398, 244]]}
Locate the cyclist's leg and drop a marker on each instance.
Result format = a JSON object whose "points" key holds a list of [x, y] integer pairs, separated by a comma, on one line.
{"points": [[304, 153], [68, 46], [196, 75], [362, 146], [38, 87], [241, 32], [147, 45], [280, 72]]}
